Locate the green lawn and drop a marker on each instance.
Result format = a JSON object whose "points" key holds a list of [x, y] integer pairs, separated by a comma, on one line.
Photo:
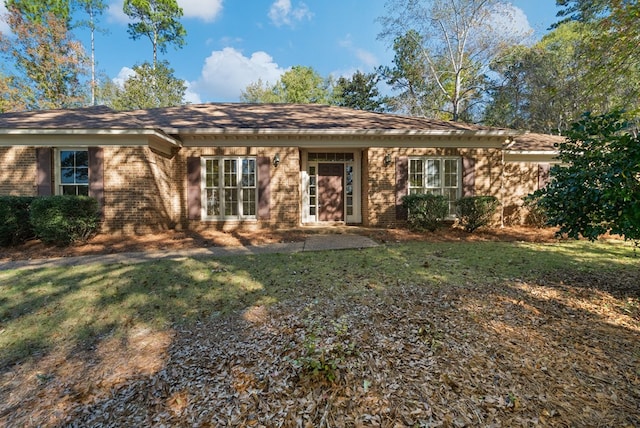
{"points": [[521, 286]]}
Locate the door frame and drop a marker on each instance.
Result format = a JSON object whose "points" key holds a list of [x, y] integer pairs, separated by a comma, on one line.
{"points": [[356, 216]]}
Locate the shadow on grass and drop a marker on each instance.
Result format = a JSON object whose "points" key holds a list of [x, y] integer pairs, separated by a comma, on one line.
{"points": [[496, 285]]}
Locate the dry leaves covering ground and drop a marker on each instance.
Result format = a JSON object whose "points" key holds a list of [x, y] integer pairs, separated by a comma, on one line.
{"points": [[558, 352], [107, 243]]}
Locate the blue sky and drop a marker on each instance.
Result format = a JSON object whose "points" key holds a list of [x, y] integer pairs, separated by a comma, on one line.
{"points": [[231, 43]]}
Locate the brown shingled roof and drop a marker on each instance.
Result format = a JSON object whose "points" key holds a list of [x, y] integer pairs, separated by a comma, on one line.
{"points": [[98, 117], [231, 116]]}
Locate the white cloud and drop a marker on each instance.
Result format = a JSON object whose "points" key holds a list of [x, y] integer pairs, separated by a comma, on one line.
{"points": [[124, 75], [226, 73], [115, 13], [283, 13], [364, 56], [511, 20], [206, 10], [4, 27], [190, 96]]}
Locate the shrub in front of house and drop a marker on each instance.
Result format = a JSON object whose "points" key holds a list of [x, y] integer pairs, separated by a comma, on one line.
{"points": [[476, 211], [63, 220], [425, 211], [15, 227]]}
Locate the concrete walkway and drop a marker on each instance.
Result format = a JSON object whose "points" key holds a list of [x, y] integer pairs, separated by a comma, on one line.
{"points": [[312, 243]]}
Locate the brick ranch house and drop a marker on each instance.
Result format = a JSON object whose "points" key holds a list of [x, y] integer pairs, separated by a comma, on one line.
{"points": [[232, 165]]}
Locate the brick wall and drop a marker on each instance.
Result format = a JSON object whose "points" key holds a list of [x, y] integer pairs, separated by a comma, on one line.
{"points": [[138, 190], [379, 181], [285, 194], [18, 171], [521, 178]]}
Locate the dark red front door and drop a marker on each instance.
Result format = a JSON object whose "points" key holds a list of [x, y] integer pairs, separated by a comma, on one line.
{"points": [[330, 191]]}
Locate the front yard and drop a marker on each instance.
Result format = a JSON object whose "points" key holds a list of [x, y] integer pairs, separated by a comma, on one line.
{"points": [[406, 334]]}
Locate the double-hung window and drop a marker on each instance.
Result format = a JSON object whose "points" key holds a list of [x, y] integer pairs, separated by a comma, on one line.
{"points": [[230, 190], [73, 172], [438, 176]]}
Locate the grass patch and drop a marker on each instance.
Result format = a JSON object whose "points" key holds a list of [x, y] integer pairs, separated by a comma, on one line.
{"points": [[69, 307], [414, 334]]}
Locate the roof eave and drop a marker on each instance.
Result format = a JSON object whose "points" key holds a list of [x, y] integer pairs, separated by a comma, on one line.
{"points": [[152, 134], [337, 132]]}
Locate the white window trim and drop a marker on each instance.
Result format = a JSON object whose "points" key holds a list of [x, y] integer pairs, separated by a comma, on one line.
{"points": [[220, 188], [57, 168], [424, 159]]}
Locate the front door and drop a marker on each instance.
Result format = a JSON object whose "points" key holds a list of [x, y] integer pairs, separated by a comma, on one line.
{"points": [[331, 191]]}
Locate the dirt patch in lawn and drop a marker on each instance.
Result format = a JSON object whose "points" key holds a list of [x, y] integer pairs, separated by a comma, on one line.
{"points": [[174, 240]]}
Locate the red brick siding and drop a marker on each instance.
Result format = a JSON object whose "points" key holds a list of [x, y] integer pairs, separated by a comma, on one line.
{"points": [[18, 171], [285, 194], [138, 190], [379, 181]]}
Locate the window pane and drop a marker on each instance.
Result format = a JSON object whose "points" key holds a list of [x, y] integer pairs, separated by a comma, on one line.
{"points": [[248, 173], [231, 202], [212, 173], [82, 158], [249, 202], [67, 158], [213, 204], [416, 173], [433, 173], [83, 190], [452, 196], [451, 173], [230, 173], [82, 175], [66, 175]]}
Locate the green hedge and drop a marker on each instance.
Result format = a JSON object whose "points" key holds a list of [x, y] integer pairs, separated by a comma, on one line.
{"points": [[426, 211], [476, 211], [15, 227], [62, 220]]}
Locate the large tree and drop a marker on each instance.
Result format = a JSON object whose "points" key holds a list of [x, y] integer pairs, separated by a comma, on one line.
{"points": [[455, 40], [157, 20], [10, 97], [360, 92], [407, 77], [615, 41], [37, 11], [299, 85], [596, 190], [149, 87], [48, 64], [93, 9], [547, 86]]}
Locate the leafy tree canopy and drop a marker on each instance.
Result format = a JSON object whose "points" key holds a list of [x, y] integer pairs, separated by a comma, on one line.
{"points": [[158, 20], [450, 44], [49, 64], [149, 88], [37, 10], [299, 85], [597, 189], [359, 92]]}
